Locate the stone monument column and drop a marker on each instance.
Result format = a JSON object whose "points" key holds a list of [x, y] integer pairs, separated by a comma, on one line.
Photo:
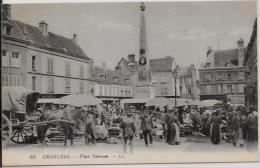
{"points": [[144, 88]]}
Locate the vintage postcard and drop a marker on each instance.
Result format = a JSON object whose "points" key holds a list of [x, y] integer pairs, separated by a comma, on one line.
{"points": [[129, 82]]}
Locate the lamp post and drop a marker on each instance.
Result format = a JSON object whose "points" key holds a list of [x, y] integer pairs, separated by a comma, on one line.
{"points": [[175, 75]]}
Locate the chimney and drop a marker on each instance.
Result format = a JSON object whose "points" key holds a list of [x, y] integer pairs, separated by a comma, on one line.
{"points": [[131, 58], [75, 37], [241, 51], [104, 66], [44, 28], [5, 11]]}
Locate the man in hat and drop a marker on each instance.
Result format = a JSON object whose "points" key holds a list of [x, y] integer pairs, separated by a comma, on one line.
{"points": [[128, 130], [147, 127]]}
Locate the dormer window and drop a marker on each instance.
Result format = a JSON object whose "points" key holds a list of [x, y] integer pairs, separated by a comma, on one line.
{"points": [[103, 77], [8, 30], [65, 50], [116, 80], [126, 81]]}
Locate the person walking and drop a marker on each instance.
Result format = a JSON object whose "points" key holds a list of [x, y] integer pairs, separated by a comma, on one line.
{"points": [[147, 127], [128, 131]]}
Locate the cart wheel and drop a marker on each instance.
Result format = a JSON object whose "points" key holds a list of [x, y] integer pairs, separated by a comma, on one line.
{"points": [[6, 130], [19, 134]]}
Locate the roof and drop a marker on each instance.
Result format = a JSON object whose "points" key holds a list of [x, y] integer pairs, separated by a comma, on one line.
{"points": [[161, 64], [52, 42], [107, 76], [125, 61], [223, 56]]}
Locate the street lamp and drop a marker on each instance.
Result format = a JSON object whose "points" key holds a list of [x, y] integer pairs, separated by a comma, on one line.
{"points": [[175, 75]]}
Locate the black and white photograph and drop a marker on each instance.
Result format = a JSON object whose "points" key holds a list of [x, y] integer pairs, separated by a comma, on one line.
{"points": [[143, 82]]}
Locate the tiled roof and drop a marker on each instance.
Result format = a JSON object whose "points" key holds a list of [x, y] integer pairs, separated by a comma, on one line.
{"points": [[161, 64], [223, 56], [52, 42], [107, 77], [125, 61]]}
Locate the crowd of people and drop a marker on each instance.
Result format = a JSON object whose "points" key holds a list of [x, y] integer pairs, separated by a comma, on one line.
{"points": [[162, 124]]}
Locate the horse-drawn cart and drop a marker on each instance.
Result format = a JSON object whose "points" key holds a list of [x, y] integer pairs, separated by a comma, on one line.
{"points": [[18, 103]]}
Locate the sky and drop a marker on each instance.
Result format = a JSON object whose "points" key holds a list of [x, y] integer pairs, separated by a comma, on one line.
{"points": [[109, 31]]}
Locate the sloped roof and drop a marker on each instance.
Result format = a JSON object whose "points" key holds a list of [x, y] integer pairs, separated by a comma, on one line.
{"points": [[223, 56], [52, 42], [125, 61], [161, 64], [99, 73]]}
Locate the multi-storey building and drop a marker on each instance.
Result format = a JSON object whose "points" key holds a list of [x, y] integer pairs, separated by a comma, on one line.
{"points": [[222, 76], [41, 60], [162, 77], [188, 82], [250, 63], [160, 72], [111, 85]]}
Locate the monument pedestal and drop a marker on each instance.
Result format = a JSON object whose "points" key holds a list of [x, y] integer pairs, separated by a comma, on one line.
{"points": [[144, 90]]}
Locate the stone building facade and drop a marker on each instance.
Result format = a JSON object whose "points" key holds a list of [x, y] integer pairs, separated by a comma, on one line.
{"points": [[222, 76], [250, 63], [41, 60]]}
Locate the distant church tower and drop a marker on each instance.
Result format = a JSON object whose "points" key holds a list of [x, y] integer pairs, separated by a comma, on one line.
{"points": [[143, 72]]}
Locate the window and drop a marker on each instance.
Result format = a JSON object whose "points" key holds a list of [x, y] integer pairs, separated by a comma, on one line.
{"points": [[50, 65], [241, 76], [154, 80], [8, 30], [207, 77], [240, 88], [217, 76], [33, 63], [126, 81], [34, 83], [229, 89], [126, 93], [67, 69], [163, 80], [208, 89], [189, 91], [116, 79], [220, 89], [5, 80], [16, 80], [67, 85], [81, 71], [81, 87], [122, 92], [229, 76], [100, 90], [110, 90], [5, 58], [16, 60], [50, 85], [164, 91]]}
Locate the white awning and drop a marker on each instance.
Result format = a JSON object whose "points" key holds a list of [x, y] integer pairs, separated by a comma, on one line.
{"points": [[42, 101]]}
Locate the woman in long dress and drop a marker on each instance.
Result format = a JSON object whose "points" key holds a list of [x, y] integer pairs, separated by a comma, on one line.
{"points": [[215, 128], [237, 131]]}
